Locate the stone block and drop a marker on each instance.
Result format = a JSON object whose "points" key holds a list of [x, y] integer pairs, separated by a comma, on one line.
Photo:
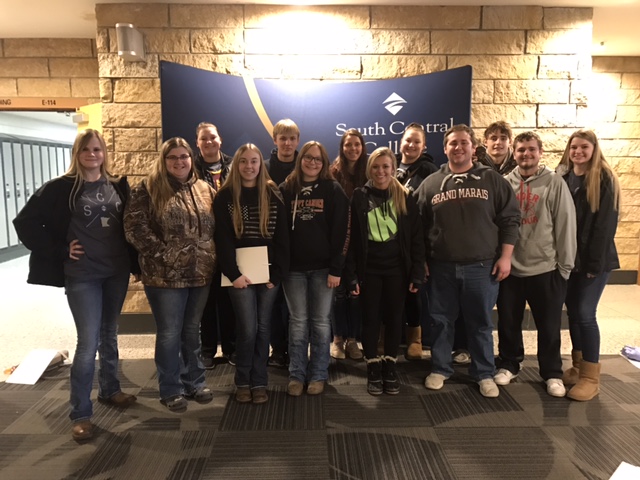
{"points": [[106, 90], [584, 66], [580, 91], [8, 87], [131, 115], [425, 17], [511, 18], [23, 67], [135, 163], [628, 113], [326, 18], [112, 66], [166, 40], [452, 42], [558, 66], [629, 97], [135, 179], [335, 67], [498, 66], [554, 116], [231, 64], [628, 230], [627, 246], [48, 47], [135, 140], [74, 67], [482, 91], [567, 17], [630, 213], [621, 148], [520, 116], [206, 16], [43, 87], [102, 40], [628, 130], [559, 41], [531, 91], [623, 164], [217, 41], [631, 80], [628, 262], [142, 15], [136, 302], [136, 90], [616, 64], [107, 134], [553, 140], [390, 66], [85, 88], [630, 197], [595, 114]]}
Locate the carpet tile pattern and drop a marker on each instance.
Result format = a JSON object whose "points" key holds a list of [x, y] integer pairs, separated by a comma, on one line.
{"points": [[343, 434]]}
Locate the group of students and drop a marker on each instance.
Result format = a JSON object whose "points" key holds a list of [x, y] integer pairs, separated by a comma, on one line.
{"points": [[350, 246]]}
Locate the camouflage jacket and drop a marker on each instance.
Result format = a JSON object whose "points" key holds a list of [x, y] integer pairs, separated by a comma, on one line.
{"points": [[176, 248]]}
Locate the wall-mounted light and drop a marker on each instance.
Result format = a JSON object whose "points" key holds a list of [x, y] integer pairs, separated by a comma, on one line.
{"points": [[130, 43]]}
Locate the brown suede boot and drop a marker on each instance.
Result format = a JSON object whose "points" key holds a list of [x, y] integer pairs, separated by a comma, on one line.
{"points": [[414, 343], [570, 376], [588, 384]]}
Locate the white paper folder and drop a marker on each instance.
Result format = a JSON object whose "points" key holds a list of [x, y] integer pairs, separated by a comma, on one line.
{"points": [[253, 263]]}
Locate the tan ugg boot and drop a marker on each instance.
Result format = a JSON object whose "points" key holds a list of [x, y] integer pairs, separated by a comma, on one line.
{"points": [[414, 343], [588, 384], [570, 376]]}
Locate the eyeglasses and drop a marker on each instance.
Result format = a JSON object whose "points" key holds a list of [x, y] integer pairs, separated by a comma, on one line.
{"points": [[173, 158], [311, 159]]}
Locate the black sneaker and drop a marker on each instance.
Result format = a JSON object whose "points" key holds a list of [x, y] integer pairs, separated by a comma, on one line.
{"points": [[390, 382], [231, 358], [374, 376], [277, 360], [208, 363]]}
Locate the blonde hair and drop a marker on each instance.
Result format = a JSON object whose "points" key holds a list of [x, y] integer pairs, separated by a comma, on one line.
{"points": [[397, 191], [293, 183], [595, 167], [157, 183], [286, 126], [266, 188], [76, 170]]}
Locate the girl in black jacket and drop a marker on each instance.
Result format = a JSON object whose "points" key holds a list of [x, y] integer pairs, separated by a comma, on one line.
{"points": [[596, 194], [73, 227], [386, 259]]}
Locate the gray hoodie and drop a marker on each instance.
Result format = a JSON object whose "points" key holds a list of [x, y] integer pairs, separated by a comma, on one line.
{"points": [[548, 224]]}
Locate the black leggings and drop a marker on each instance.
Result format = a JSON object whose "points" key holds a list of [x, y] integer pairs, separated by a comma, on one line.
{"points": [[382, 302]]}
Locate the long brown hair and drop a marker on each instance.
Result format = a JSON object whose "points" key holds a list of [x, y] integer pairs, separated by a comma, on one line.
{"points": [[397, 191], [340, 166], [293, 183], [595, 167], [157, 183], [266, 188], [76, 170]]}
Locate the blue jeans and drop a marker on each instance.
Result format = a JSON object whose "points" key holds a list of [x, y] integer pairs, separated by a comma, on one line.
{"points": [[95, 306], [177, 312], [309, 300], [253, 307], [469, 289], [583, 295]]}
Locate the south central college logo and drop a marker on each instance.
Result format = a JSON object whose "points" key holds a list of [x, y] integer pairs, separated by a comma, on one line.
{"points": [[394, 103]]}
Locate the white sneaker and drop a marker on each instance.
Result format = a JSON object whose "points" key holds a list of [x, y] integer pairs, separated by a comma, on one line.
{"points": [[434, 381], [461, 357], [488, 388], [504, 377], [555, 387]]}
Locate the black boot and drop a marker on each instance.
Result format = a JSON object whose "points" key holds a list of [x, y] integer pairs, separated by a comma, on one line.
{"points": [[389, 376], [374, 376]]}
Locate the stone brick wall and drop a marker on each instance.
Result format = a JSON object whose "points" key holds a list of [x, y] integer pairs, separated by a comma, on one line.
{"points": [[58, 67]]}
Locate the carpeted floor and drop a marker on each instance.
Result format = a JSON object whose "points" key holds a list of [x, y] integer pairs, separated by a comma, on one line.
{"points": [[345, 433]]}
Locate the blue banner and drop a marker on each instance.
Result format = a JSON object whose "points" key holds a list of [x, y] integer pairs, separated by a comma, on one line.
{"points": [[245, 109]]}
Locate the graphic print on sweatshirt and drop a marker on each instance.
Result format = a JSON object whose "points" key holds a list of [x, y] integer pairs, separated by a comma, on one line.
{"points": [[382, 222], [100, 205], [528, 202], [460, 193], [307, 209], [251, 220]]}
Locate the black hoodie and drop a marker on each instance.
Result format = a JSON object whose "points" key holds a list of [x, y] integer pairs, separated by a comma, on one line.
{"points": [[412, 177]]}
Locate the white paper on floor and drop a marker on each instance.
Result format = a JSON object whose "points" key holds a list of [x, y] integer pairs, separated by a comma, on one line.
{"points": [[32, 367], [626, 471]]}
